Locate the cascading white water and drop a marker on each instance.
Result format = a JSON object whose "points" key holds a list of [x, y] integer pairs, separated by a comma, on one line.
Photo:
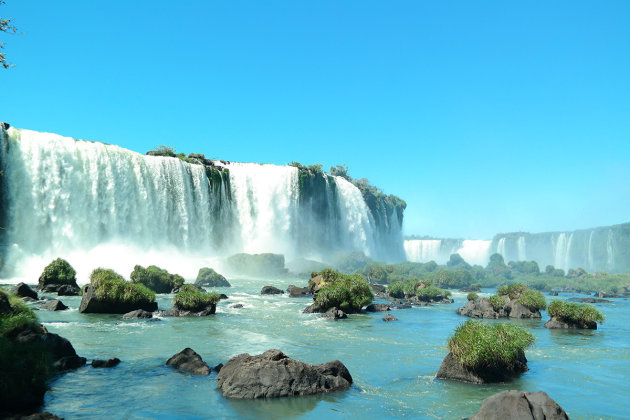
{"points": [[591, 262], [522, 248], [102, 205], [610, 256], [501, 247], [355, 219], [475, 252], [424, 250], [266, 201]]}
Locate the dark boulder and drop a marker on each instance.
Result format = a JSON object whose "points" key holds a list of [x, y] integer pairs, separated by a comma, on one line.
{"points": [[218, 367], [35, 416], [54, 305], [91, 304], [270, 290], [210, 278], [605, 295], [237, 306], [223, 296], [389, 318], [5, 305], [377, 307], [23, 290], [378, 288], [68, 290], [558, 323], [553, 293], [517, 405], [273, 374], [5, 125], [111, 362], [138, 314], [334, 313], [452, 369], [188, 360], [296, 292]]}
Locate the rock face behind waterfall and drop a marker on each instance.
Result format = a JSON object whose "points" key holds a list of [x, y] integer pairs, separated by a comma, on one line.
{"points": [[273, 374]]}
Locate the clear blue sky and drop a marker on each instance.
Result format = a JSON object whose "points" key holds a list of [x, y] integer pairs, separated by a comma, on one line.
{"points": [[485, 116]]}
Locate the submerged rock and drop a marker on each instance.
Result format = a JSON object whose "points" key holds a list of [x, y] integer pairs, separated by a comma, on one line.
{"points": [[590, 300], [54, 305], [334, 313], [517, 405], [188, 360], [389, 318], [23, 290], [138, 314], [557, 323], [453, 369], [68, 290], [273, 374], [377, 307], [111, 362], [176, 312], [270, 290]]}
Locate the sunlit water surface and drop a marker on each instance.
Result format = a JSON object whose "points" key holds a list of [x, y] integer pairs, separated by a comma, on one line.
{"points": [[393, 364]]}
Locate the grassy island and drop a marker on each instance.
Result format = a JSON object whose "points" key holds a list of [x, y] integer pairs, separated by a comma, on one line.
{"points": [[58, 271], [343, 291], [156, 278], [189, 298], [477, 345], [575, 313], [532, 299], [424, 290]]}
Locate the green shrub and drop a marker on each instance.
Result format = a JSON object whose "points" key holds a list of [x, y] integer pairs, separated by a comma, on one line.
{"points": [[574, 312], [431, 293], [452, 279], [343, 291], [156, 278], [477, 345], [58, 272], [110, 286], [472, 296], [396, 289], [499, 302], [19, 314], [189, 298], [532, 299]]}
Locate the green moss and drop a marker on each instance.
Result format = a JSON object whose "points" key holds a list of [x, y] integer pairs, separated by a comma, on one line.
{"points": [[574, 312], [156, 278], [189, 298], [110, 286], [343, 291], [58, 272], [499, 302], [477, 345]]}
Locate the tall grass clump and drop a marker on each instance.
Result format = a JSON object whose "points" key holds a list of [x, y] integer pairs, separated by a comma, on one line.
{"points": [[156, 278], [59, 271], [477, 345], [574, 312], [343, 291], [189, 298], [111, 287]]}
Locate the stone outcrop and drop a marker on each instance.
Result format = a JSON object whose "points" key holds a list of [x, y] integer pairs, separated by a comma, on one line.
{"points": [[517, 405], [177, 312], [189, 361], [273, 374], [482, 308], [210, 278], [389, 318], [377, 307], [138, 314], [296, 292], [53, 305], [452, 369]]}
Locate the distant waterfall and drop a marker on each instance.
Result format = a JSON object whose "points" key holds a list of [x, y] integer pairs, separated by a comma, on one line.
{"points": [[102, 205], [439, 250]]}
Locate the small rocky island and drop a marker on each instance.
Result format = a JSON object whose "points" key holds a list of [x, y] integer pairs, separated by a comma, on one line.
{"points": [[336, 294], [109, 293], [570, 315], [513, 301]]}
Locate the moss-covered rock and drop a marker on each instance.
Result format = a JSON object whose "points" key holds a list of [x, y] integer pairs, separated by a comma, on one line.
{"points": [[57, 274], [109, 293], [573, 315], [190, 301], [210, 278], [156, 278]]}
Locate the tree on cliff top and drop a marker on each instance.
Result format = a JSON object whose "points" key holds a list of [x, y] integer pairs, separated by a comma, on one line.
{"points": [[6, 25]]}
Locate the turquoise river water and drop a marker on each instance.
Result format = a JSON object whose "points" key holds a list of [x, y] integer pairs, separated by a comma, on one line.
{"points": [[393, 364]]}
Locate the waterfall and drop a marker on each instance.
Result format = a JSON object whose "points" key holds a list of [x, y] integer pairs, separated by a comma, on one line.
{"points": [[610, 256], [101, 205], [439, 250], [424, 250], [475, 252], [591, 262], [501, 247], [522, 249]]}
